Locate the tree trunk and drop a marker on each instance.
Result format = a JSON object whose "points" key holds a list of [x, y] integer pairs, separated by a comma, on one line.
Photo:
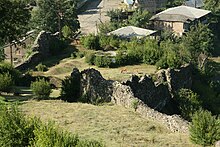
{"points": [[11, 56]]}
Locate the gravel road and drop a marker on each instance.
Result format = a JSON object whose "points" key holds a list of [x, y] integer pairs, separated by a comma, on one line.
{"points": [[95, 13]]}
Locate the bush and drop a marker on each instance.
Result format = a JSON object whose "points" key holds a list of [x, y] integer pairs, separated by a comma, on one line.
{"points": [[91, 42], [204, 129], [8, 68], [90, 58], [41, 89], [6, 82], [41, 67], [15, 129], [70, 90], [50, 136], [103, 61], [188, 103]]}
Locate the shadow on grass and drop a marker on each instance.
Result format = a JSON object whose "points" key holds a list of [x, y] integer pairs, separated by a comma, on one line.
{"points": [[54, 60]]}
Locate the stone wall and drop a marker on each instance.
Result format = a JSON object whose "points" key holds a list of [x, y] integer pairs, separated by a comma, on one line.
{"points": [[148, 95]]}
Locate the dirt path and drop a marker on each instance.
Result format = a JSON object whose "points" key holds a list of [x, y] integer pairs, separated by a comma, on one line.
{"points": [[95, 14]]}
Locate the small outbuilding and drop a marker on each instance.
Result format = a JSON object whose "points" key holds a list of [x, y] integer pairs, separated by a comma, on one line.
{"points": [[132, 31]]}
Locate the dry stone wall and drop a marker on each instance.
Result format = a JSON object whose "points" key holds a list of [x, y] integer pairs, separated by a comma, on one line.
{"points": [[141, 94]]}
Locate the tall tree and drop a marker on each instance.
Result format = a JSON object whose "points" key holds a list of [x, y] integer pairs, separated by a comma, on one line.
{"points": [[199, 40], [14, 17], [52, 15]]}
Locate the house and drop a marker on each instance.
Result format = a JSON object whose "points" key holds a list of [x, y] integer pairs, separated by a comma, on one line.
{"points": [[131, 31], [149, 5], [194, 3], [179, 19]]}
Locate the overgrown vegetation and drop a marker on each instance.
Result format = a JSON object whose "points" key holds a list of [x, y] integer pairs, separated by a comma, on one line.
{"points": [[41, 89], [7, 83], [17, 130], [70, 90], [205, 128]]}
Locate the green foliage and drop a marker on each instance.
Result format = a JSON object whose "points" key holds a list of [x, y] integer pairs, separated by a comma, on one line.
{"points": [[174, 55], [8, 68], [70, 90], [188, 103], [67, 32], [174, 3], [41, 89], [103, 61], [14, 19], [90, 58], [140, 18], [41, 67], [7, 83], [50, 136], [91, 42], [198, 40], [15, 129], [55, 13], [151, 52], [135, 104], [205, 128]]}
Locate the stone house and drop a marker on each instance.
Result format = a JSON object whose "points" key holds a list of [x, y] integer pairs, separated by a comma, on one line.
{"points": [[149, 5], [194, 3], [179, 19]]}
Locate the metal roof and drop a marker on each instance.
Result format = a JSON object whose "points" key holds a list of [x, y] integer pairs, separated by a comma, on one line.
{"points": [[180, 13], [131, 31]]}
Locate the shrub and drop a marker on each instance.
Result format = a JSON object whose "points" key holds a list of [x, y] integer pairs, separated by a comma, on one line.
{"points": [[41, 89], [41, 67], [91, 42], [103, 61], [188, 103], [135, 104], [70, 90], [50, 136], [6, 82], [15, 129], [204, 129], [8, 68], [90, 58]]}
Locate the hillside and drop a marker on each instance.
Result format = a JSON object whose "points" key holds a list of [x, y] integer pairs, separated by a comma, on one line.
{"points": [[114, 125]]}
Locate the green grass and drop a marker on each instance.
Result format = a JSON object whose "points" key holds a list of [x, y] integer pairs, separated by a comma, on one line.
{"points": [[114, 125]]}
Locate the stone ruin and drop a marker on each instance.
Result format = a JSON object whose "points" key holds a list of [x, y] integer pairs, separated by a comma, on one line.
{"points": [[151, 97]]}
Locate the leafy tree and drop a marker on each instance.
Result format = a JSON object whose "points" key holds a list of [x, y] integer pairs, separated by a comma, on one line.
{"points": [[51, 15], [140, 18], [204, 129], [188, 103], [174, 3], [199, 40], [91, 41], [14, 17]]}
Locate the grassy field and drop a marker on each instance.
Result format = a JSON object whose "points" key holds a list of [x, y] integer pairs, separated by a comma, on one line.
{"points": [[114, 125], [62, 65]]}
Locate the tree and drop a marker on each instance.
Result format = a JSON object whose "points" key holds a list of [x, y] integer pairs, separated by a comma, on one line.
{"points": [[140, 18], [199, 40], [188, 103], [52, 15], [14, 17], [205, 128]]}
